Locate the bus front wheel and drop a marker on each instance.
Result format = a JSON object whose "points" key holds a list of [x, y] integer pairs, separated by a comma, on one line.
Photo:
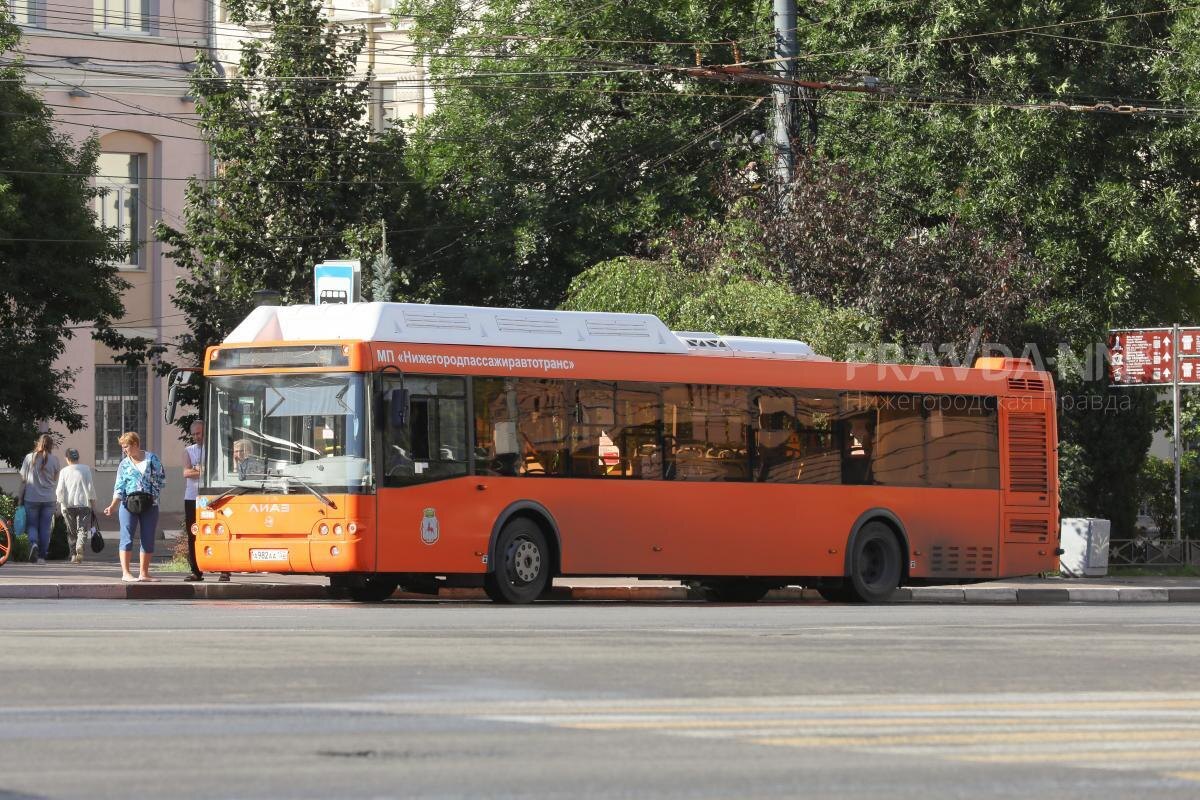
{"points": [[522, 569], [875, 568], [374, 590]]}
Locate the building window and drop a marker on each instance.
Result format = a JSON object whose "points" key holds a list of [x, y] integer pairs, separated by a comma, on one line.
{"points": [[123, 15], [399, 100], [27, 12], [120, 407], [120, 203]]}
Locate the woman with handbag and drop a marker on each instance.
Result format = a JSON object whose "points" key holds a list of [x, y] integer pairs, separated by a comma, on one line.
{"points": [[140, 480], [39, 479]]}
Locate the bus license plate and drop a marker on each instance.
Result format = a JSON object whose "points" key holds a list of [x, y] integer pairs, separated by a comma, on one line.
{"points": [[268, 555]]}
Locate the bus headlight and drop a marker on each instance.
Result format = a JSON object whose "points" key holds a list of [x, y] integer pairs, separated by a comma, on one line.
{"points": [[220, 530], [333, 551], [323, 529], [207, 530], [208, 551], [352, 528], [337, 529]]}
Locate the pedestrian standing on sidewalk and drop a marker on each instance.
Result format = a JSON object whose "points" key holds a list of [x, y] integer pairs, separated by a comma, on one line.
{"points": [[77, 500], [140, 480], [193, 470], [39, 479]]}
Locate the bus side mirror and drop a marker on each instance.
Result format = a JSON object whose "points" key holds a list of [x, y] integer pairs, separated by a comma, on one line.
{"points": [[178, 378], [172, 402], [398, 408]]}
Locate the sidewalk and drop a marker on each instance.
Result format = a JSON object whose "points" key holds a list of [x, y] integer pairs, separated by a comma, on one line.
{"points": [[100, 578]]}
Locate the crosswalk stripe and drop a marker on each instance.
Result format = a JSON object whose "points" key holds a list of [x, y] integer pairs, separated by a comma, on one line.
{"points": [[1070, 757], [975, 738]]}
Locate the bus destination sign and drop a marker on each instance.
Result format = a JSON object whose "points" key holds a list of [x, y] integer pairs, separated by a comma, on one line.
{"points": [[1149, 357]]}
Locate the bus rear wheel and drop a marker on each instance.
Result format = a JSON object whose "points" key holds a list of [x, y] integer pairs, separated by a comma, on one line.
{"points": [[522, 569], [734, 590], [374, 590], [875, 568]]}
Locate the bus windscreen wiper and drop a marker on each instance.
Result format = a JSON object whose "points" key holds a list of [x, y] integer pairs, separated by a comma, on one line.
{"points": [[308, 487], [231, 492]]}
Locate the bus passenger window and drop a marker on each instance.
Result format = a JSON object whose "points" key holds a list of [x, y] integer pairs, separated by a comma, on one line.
{"points": [[777, 454]]}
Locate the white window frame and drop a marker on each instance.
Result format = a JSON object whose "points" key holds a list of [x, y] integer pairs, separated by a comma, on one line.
{"points": [[28, 13], [124, 16], [136, 259]]}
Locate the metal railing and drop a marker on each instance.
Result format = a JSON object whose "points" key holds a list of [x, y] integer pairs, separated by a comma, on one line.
{"points": [[1146, 552]]}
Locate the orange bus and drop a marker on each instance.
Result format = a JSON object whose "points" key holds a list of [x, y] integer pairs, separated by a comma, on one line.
{"points": [[389, 445]]}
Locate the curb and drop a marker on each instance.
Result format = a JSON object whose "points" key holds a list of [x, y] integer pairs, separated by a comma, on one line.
{"points": [[916, 595]]}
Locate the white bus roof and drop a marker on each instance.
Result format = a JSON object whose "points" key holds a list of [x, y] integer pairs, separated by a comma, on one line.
{"points": [[498, 327]]}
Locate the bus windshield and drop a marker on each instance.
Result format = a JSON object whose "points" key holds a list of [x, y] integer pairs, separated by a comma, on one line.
{"points": [[289, 433]]}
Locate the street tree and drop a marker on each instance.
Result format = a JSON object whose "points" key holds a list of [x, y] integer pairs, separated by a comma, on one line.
{"points": [[726, 303], [555, 141], [830, 236], [1031, 113], [301, 175], [57, 266]]}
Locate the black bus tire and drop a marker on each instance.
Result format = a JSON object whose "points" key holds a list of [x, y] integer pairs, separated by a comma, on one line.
{"points": [[875, 565], [522, 569]]}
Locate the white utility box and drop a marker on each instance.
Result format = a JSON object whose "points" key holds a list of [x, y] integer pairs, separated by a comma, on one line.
{"points": [[1085, 548]]}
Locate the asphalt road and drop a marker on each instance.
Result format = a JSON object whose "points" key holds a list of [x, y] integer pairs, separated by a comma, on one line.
{"points": [[317, 700]]}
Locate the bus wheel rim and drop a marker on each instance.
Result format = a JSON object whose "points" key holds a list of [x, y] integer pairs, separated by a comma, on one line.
{"points": [[873, 563], [526, 561]]}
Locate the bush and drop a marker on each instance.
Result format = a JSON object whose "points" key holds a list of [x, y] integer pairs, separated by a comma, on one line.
{"points": [[20, 549], [1156, 485]]}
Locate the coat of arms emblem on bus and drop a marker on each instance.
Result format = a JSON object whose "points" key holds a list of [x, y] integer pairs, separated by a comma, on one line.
{"points": [[429, 526]]}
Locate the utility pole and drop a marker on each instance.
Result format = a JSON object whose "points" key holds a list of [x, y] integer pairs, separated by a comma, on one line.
{"points": [[1176, 449], [784, 91]]}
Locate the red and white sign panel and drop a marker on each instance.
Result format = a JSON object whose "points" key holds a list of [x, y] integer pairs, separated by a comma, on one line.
{"points": [[1148, 357]]}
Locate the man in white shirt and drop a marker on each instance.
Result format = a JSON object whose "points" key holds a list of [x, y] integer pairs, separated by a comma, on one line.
{"points": [[193, 461], [76, 497]]}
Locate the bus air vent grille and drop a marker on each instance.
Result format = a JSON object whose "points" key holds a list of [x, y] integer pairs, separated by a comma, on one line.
{"points": [[1028, 463], [601, 327], [1027, 385], [437, 320], [543, 325], [1031, 531], [955, 560]]}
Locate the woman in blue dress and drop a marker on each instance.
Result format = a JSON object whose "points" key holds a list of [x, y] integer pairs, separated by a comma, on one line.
{"points": [[140, 480]]}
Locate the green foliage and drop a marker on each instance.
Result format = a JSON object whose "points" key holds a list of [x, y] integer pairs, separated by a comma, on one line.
{"points": [[1106, 433], [1189, 418], [20, 549], [551, 148], [732, 305], [57, 266], [8, 507], [301, 176], [1157, 483], [1105, 201], [832, 237], [1074, 476]]}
